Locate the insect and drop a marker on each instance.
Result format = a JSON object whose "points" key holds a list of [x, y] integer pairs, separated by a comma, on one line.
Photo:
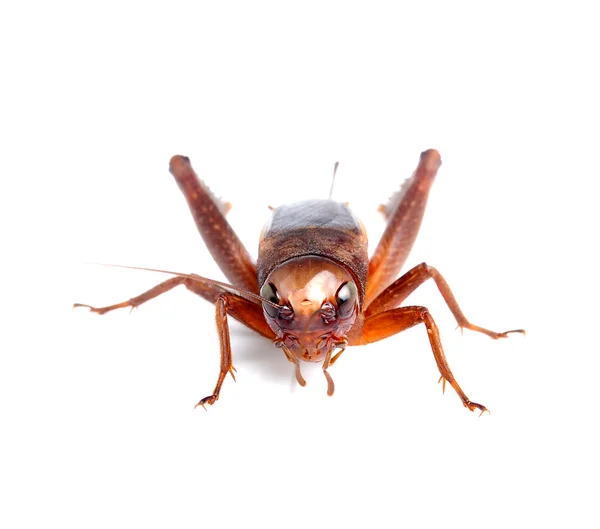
{"points": [[313, 290]]}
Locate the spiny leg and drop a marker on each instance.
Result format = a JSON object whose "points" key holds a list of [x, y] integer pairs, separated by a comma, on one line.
{"points": [[400, 289], [199, 285], [388, 323], [245, 311], [154, 292], [405, 214], [209, 215], [221, 320], [225, 348], [250, 315]]}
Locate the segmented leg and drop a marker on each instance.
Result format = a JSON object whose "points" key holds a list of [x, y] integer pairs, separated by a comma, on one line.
{"points": [[225, 346], [243, 310], [400, 289], [209, 214], [388, 323], [249, 314], [405, 214], [208, 291]]}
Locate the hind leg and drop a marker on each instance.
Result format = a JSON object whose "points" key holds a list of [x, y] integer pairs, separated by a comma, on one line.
{"points": [[220, 238]]}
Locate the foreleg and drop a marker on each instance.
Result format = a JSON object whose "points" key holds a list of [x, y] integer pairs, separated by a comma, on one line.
{"points": [[393, 321]]}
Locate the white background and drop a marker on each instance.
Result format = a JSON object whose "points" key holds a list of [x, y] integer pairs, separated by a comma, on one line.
{"points": [[97, 426]]}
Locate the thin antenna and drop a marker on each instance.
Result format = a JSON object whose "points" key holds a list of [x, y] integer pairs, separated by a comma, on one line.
{"points": [[193, 277], [335, 168]]}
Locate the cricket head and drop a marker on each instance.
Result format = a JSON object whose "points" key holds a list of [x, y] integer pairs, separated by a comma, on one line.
{"points": [[316, 305]]}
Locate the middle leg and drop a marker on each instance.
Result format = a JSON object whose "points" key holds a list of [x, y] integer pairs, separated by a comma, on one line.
{"points": [[400, 289]]}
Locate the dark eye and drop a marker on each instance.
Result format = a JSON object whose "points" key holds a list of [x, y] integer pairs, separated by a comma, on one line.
{"points": [[268, 291], [346, 298]]}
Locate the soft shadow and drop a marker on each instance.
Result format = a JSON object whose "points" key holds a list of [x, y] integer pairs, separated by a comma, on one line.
{"points": [[252, 352]]}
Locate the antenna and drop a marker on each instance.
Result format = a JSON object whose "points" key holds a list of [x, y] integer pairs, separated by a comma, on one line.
{"points": [[335, 168]]}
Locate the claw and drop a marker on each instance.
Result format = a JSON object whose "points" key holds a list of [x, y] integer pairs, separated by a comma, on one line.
{"points": [[492, 334], [92, 309], [506, 333], [474, 406], [104, 310], [206, 400], [77, 305]]}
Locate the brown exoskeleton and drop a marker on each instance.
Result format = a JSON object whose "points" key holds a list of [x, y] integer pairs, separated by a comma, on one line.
{"points": [[313, 290]]}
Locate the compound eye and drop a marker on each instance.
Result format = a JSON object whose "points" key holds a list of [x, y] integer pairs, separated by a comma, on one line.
{"points": [[346, 298], [269, 292]]}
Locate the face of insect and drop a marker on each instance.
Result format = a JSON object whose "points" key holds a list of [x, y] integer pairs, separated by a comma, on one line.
{"points": [[318, 304]]}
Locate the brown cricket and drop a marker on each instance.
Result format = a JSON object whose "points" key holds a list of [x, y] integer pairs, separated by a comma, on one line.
{"points": [[313, 290]]}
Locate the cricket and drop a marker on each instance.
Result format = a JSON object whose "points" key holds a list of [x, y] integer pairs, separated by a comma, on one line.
{"points": [[314, 290]]}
